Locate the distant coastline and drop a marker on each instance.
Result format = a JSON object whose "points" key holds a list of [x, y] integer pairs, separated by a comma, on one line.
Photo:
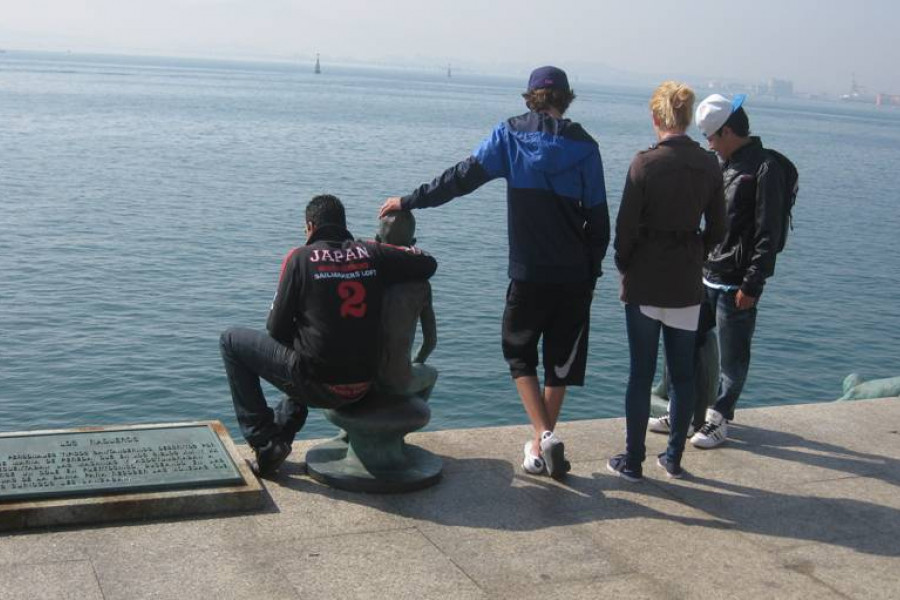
{"points": [[583, 71]]}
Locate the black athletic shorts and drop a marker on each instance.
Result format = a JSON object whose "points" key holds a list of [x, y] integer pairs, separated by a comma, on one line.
{"points": [[557, 312]]}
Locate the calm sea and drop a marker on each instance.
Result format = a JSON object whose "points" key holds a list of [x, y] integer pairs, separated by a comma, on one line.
{"points": [[147, 204]]}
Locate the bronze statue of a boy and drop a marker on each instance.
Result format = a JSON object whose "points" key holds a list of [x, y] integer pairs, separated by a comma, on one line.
{"points": [[406, 305]]}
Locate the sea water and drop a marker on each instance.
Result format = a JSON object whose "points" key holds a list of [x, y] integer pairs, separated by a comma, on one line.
{"points": [[147, 205]]}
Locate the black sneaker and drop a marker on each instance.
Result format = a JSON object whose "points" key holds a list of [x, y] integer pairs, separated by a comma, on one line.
{"points": [[270, 457], [618, 464], [673, 471]]}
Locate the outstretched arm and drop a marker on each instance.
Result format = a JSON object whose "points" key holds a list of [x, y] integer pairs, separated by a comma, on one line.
{"points": [[396, 264], [463, 178], [489, 161]]}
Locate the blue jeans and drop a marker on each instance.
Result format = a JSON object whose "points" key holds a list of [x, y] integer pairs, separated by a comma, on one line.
{"points": [[734, 329], [643, 343], [248, 356], [706, 366]]}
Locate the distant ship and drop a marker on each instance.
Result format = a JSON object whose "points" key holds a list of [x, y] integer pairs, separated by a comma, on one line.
{"points": [[449, 73], [318, 69], [857, 94]]}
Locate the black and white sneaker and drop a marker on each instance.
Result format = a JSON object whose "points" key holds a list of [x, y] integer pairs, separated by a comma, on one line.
{"points": [[268, 458], [618, 464], [673, 471], [713, 433]]}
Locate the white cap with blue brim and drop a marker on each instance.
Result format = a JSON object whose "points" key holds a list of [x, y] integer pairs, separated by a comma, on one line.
{"points": [[712, 113]]}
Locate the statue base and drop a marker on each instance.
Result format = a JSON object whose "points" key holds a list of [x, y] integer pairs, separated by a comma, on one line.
{"points": [[371, 455], [335, 464]]}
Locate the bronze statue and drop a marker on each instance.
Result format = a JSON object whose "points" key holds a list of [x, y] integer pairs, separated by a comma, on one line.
{"points": [[405, 307]]}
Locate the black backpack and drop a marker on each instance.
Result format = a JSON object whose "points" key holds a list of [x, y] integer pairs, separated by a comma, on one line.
{"points": [[790, 185]]}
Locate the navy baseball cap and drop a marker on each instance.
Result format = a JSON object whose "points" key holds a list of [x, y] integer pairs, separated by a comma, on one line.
{"points": [[548, 77]]}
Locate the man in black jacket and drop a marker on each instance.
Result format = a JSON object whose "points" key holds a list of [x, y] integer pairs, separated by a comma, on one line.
{"points": [[736, 270], [324, 331]]}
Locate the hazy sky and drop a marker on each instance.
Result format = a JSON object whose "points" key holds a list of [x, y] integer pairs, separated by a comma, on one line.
{"points": [[817, 44]]}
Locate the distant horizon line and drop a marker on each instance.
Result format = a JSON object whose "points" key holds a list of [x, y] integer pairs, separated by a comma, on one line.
{"points": [[611, 76], [464, 67]]}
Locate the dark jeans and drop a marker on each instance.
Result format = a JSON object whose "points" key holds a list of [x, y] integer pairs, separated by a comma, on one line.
{"points": [[706, 366], [643, 343], [735, 332], [250, 355]]}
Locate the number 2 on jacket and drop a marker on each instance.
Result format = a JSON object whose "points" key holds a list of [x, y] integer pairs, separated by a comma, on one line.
{"points": [[354, 294]]}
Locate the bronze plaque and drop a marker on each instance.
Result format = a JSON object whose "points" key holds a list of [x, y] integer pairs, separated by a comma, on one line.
{"points": [[109, 461]]}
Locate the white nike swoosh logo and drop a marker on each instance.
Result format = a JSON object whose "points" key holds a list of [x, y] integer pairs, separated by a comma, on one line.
{"points": [[562, 371]]}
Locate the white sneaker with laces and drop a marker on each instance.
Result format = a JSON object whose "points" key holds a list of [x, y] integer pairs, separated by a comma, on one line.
{"points": [[713, 433], [533, 464], [663, 424]]}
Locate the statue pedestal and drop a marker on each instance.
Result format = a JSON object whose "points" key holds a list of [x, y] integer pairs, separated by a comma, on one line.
{"points": [[373, 456]]}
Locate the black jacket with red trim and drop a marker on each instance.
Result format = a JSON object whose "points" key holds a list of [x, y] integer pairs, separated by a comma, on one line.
{"points": [[329, 300]]}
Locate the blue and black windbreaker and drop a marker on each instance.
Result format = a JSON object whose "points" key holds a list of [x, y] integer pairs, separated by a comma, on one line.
{"points": [[556, 196]]}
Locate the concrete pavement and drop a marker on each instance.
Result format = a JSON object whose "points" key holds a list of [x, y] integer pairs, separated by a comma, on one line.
{"points": [[801, 502]]}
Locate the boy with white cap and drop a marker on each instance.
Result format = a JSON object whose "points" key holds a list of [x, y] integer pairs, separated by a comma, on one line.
{"points": [[756, 190]]}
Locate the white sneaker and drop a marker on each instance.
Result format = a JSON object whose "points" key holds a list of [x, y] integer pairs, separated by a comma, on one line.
{"points": [[713, 432], [553, 450], [663, 424], [533, 464]]}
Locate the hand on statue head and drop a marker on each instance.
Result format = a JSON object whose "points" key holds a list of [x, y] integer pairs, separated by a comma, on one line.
{"points": [[390, 205]]}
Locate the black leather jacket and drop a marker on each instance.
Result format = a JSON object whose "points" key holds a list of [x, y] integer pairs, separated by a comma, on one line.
{"points": [[755, 193]]}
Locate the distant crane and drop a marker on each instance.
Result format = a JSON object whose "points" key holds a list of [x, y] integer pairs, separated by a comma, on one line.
{"points": [[859, 94]]}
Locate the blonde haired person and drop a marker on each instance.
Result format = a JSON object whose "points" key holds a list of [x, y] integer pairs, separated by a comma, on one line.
{"points": [[659, 252], [672, 106]]}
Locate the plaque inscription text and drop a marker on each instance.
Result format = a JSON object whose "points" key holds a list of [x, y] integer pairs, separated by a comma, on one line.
{"points": [[112, 461]]}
